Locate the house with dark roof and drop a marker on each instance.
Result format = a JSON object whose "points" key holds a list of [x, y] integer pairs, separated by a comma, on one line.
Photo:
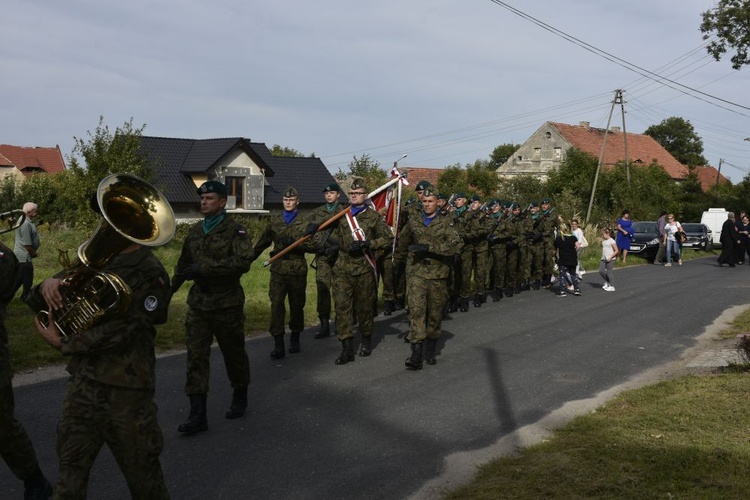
{"points": [[546, 149], [21, 161], [255, 179]]}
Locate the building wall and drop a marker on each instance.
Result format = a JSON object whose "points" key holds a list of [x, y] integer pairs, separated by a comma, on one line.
{"points": [[244, 179], [542, 152]]}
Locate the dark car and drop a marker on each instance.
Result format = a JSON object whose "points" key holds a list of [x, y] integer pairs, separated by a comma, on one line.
{"points": [[645, 239], [698, 235]]}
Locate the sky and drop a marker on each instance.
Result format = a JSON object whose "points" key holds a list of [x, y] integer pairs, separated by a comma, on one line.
{"points": [[442, 81]]}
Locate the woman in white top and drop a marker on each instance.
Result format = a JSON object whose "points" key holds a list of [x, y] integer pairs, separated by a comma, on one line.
{"points": [[609, 256], [670, 241], [582, 243]]}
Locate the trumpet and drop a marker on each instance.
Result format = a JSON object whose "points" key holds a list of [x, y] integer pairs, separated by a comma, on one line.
{"points": [[11, 220]]}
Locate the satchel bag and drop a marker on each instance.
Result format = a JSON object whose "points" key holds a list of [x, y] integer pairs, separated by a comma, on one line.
{"points": [[680, 236]]}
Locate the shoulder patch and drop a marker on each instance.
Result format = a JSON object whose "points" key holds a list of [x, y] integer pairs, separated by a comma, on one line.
{"points": [[151, 303]]}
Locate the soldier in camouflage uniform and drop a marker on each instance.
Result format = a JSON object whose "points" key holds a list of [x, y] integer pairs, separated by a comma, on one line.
{"points": [[535, 249], [515, 248], [15, 445], [498, 237], [548, 228], [480, 249], [462, 223], [215, 254], [289, 273], [110, 394], [360, 233], [429, 242], [325, 256]]}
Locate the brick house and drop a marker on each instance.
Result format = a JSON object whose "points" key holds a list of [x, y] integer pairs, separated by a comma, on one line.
{"points": [[21, 161]]}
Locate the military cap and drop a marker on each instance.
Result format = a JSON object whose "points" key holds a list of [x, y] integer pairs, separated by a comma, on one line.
{"points": [[460, 194], [332, 187], [545, 201], [507, 204], [212, 187], [474, 198], [494, 201], [533, 204], [359, 183], [430, 190], [291, 192], [421, 185], [514, 206], [443, 196]]}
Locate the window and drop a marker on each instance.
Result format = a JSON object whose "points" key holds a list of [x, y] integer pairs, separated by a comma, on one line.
{"points": [[558, 154], [537, 153], [235, 191]]}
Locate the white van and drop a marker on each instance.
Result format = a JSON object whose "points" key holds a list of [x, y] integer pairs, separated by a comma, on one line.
{"points": [[714, 218]]}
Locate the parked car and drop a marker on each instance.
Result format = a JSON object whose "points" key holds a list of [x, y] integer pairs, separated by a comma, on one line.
{"points": [[645, 239], [698, 236]]}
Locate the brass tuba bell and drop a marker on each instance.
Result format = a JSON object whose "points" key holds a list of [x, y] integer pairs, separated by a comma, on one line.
{"points": [[133, 211], [11, 220]]}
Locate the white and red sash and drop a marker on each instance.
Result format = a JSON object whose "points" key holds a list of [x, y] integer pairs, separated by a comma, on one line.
{"points": [[359, 235]]}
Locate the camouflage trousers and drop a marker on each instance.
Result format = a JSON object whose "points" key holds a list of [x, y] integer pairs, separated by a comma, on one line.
{"points": [[394, 279], [426, 299], [548, 266], [125, 419], [464, 274], [536, 260], [323, 283], [15, 445], [354, 294], [227, 325], [481, 268], [499, 265], [514, 262], [280, 287]]}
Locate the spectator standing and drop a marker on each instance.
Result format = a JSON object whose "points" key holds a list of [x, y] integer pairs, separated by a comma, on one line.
{"points": [[624, 234], [743, 227], [566, 246], [671, 243], [582, 244], [730, 238], [609, 255], [739, 258], [660, 226], [25, 248]]}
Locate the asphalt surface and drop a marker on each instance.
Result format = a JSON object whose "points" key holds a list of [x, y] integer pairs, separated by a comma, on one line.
{"points": [[372, 429]]}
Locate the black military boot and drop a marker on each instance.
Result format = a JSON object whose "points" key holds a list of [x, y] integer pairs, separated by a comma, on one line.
{"points": [[464, 304], [294, 342], [414, 362], [536, 284], [497, 294], [518, 289], [525, 286], [196, 421], [278, 347], [430, 346], [477, 300], [365, 347], [509, 291], [388, 307], [37, 487], [453, 307], [347, 352], [398, 304], [239, 403], [325, 328]]}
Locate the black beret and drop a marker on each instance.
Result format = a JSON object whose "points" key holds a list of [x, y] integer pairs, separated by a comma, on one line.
{"points": [[212, 187], [332, 187]]}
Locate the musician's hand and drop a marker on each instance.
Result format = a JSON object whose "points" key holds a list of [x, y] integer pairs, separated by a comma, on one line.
{"points": [[285, 241], [193, 272], [50, 334], [50, 291], [357, 245], [330, 251]]}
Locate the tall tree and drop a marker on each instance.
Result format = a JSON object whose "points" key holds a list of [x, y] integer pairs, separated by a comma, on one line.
{"points": [[278, 150], [364, 167], [678, 136], [501, 154], [729, 22]]}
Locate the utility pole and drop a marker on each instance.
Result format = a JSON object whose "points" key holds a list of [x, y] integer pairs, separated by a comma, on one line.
{"points": [[618, 96], [618, 92], [718, 171]]}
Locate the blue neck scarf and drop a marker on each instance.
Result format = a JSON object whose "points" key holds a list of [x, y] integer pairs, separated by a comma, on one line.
{"points": [[289, 216], [209, 223], [427, 220], [358, 209]]}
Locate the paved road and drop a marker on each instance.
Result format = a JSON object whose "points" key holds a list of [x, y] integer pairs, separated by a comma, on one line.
{"points": [[371, 429]]}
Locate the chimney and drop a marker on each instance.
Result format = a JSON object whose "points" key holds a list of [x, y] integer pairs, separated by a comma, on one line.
{"points": [[614, 129], [583, 124]]}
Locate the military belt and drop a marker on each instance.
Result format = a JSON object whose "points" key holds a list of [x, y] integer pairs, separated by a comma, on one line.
{"points": [[219, 288]]}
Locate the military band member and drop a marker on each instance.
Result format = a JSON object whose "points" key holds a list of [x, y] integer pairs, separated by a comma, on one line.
{"points": [[288, 274], [109, 397], [428, 242], [360, 233], [215, 254], [325, 257], [15, 445]]}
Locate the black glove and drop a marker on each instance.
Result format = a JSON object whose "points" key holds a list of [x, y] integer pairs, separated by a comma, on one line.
{"points": [[177, 281], [285, 241], [419, 248], [356, 245], [330, 250], [192, 272], [311, 228]]}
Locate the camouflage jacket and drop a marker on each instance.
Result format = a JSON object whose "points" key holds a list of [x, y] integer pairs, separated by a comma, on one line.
{"points": [[223, 255], [521, 227], [276, 232], [548, 226], [322, 241], [375, 231], [462, 223], [8, 270], [500, 227], [479, 227], [443, 243], [120, 351]]}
